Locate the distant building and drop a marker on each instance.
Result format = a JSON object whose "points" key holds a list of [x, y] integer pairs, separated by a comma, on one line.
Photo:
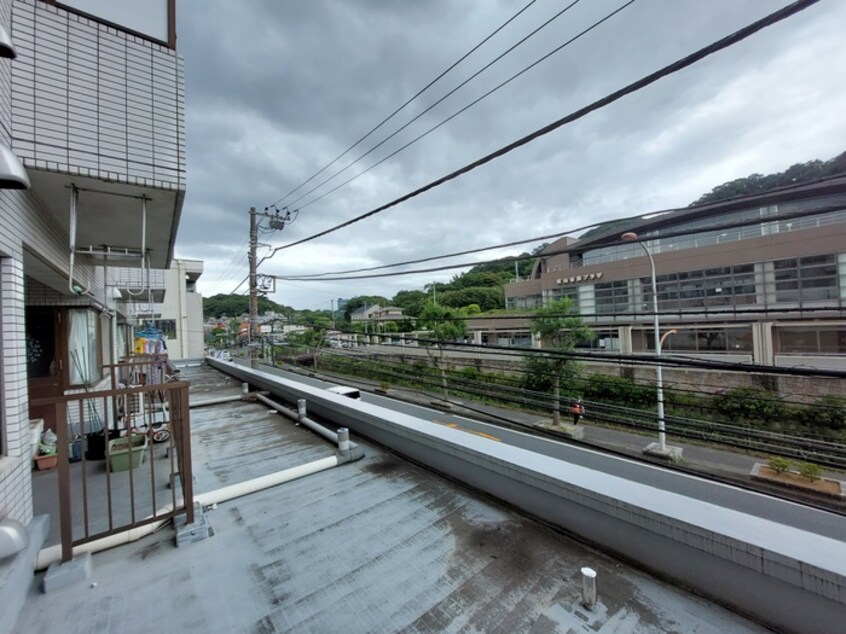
{"points": [[389, 313], [377, 314], [759, 279], [177, 307], [365, 313]]}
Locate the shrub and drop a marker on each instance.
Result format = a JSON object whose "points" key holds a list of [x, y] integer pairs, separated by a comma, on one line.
{"points": [[749, 403], [779, 464], [470, 373], [809, 470], [829, 411], [618, 389]]}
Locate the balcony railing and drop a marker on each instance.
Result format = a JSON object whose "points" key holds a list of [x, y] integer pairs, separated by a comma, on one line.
{"points": [[125, 460]]}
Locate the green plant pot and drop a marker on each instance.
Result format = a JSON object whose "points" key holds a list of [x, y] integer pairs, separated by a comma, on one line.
{"points": [[127, 453]]}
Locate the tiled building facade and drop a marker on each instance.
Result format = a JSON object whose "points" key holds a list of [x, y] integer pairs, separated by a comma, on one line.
{"points": [[94, 112]]}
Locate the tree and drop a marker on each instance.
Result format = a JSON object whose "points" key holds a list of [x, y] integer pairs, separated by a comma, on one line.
{"points": [[446, 326], [559, 330], [231, 305], [758, 183], [487, 297], [218, 337], [411, 302], [314, 342]]}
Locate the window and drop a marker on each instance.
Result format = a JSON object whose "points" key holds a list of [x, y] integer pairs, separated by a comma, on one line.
{"points": [[705, 340], [612, 297], [706, 231], [715, 287], [83, 347], [167, 327], [811, 278], [529, 301], [570, 292], [40, 342], [603, 340], [811, 340]]}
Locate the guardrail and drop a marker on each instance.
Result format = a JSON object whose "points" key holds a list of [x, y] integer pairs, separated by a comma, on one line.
{"points": [[107, 488]]}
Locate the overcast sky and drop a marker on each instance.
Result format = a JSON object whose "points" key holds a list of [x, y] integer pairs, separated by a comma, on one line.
{"points": [[276, 90]]}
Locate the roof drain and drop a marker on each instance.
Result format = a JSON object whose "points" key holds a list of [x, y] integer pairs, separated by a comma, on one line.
{"points": [[53, 554]]}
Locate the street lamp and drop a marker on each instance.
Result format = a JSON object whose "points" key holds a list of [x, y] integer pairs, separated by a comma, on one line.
{"points": [[659, 340]]}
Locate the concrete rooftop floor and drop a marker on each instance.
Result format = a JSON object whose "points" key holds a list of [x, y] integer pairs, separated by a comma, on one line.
{"points": [[379, 545]]}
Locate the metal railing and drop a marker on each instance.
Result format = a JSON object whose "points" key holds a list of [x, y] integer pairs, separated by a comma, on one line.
{"points": [[125, 461]]}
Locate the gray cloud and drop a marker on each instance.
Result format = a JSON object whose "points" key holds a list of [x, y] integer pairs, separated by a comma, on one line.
{"points": [[276, 90]]}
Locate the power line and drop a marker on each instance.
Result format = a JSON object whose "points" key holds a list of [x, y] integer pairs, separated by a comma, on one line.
{"points": [[734, 38], [635, 359], [443, 98], [402, 107], [675, 387], [321, 277]]}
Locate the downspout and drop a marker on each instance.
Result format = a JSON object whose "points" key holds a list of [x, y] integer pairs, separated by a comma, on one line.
{"points": [[74, 289], [143, 243]]}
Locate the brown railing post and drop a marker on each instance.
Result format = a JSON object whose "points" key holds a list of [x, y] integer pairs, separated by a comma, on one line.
{"points": [[65, 522], [182, 434]]}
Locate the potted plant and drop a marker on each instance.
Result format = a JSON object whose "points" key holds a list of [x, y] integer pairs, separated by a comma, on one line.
{"points": [[47, 457], [127, 452]]}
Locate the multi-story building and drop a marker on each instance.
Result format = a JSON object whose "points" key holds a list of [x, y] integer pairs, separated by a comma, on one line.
{"points": [[92, 107], [181, 310], [758, 279]]}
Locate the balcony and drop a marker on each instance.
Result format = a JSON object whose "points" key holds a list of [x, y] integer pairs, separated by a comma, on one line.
{"points": [[101, 488]]}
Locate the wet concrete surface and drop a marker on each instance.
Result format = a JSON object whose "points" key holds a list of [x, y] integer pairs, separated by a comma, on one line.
{"points": [[379, 545]]}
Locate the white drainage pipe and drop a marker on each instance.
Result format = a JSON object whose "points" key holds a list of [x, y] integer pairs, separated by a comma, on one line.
{"points": [[265, 482], [300, 416], [215, 401], [53, 554]]}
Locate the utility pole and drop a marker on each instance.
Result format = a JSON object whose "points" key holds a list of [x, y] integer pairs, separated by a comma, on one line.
{"points": [[276, 221], [253, 289]]}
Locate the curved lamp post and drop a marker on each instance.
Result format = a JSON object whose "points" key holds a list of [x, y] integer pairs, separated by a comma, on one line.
{"points": [[659, 341]]}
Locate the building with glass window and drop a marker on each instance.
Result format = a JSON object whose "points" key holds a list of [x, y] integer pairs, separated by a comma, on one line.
{"points": [[759, 279]]}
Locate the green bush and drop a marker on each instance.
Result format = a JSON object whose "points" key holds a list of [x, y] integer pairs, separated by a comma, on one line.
{"points": [[749, 403], [620, 390], [829, 411], [809, 470], [779, 464], [470, 373]]}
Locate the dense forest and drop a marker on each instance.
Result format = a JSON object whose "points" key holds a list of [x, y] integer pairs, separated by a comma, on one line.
{"points": [[758, 183], [234, 305], [482, 286]]}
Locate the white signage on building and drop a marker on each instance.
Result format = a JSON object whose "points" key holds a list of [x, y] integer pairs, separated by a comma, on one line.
{"points": [[579, 279]]}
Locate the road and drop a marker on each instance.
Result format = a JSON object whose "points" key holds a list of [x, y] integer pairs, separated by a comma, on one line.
{"points": [[776, 509]]}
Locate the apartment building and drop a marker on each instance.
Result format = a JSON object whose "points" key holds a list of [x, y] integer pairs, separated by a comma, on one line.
{"points": [[91, 108]]}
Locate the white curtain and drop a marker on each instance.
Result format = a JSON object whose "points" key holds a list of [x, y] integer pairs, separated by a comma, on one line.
{"points": [[83, 345], [121, 350]]}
